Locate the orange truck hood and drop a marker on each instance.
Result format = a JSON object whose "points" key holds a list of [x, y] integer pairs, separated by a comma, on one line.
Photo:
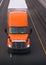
{"points": [[18, 19], [18, 36]]}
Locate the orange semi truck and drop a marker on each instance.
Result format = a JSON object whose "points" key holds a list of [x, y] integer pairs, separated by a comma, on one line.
{"points": [[18, 30]]}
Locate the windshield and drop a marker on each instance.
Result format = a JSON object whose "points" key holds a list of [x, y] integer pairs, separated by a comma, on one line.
{"points": [[14, 30]]}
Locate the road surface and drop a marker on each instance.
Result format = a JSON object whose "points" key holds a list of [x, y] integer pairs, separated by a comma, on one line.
{"points": [[43, 2], [37, 55]]}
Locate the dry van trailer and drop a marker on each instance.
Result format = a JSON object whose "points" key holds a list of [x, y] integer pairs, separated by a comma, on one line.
{"points": [[17, 6]]}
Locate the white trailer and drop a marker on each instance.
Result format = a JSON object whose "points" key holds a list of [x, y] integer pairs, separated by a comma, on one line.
{"points": [[17, 5]]}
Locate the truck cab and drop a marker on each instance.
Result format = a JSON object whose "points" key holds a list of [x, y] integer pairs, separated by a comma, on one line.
{"points": [[18, 30]]}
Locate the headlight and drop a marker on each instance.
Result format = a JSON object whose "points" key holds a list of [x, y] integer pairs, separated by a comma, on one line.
{"points": [[28, 45], [9, 46]]}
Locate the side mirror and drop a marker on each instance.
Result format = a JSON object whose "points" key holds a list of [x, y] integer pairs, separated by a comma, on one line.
{"points": [[6, 31], [30, 30], [7, 34]]}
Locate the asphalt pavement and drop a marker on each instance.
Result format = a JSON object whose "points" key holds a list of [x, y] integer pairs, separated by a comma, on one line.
{"points": [[36, 56], [38, 24], [40, 9]]}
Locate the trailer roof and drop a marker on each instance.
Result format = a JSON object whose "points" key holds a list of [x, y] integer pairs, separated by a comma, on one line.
{"points": [[17, 4]]}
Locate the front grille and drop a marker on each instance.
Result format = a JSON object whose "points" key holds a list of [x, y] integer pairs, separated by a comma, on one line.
{"points": [[18, 45]]}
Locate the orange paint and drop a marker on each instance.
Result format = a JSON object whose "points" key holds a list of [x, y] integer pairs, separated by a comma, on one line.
{"points": [[17, 19]]}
